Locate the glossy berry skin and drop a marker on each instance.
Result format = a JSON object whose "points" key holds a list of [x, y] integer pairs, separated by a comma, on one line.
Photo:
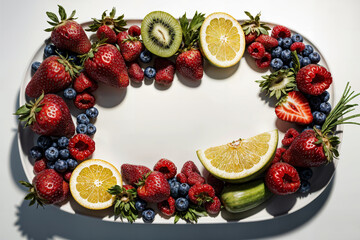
{"points": [[48, 185], [256, 50], [92, 112], [140, 205], [286, 56], [280, 32], [276, 52], [155, 189], [213, 207], [150, 72], [105, 31], [167, 207], [91, 129], [39, 165], [276, 63], [313, 79], [107, 66], [183, 189], [44, 141], [250, 37], [181, 204], [145, 56], [36, 152], [305, 61], [69, 93], [64, 154], [314, 57], [135, 72], [201, 193], [189, 167], [305, 173], [67, 175], [81, 128], [35, 66], [84, 83], [174, 189], [325, 107], [130, 49], [49, 50], [84, 100], [297, 38], [181, 177], [61, 166], [82, 118], [267, 41], [304, 186], [325, 96], [307, 50], [63, 142], [165, 71], [81, 146], [166, 167], [51, 154], [286, 43], [319, 117], [134, 31], [172, 181], [133, 173], [195, 178], [72, 164], [315, 102], [148, 215], [264, 62], [190, 64], [282, 179], [289, 137]]}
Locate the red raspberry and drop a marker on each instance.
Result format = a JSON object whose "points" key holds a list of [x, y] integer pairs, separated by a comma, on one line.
{"points": [[264, 62], [278, 155], [106, 32], [189, 167], [39, 165], [195, 178], [84, 83], [166, 167], [67, 175], [216, 183], [135, 72], [84, 100], [297, 46], [181, 178], [289, 137], [134, 31], [268, 41], [282, 179], [250, 38], [280, 32], [213, 207], [313, 79], [167, 207], [201, 193], [127, 187], [256, 50], [81, 146], [165, 70]]}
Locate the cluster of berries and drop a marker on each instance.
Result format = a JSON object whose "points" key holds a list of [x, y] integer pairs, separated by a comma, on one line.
{"points": [[320, 108], [85, 121]]}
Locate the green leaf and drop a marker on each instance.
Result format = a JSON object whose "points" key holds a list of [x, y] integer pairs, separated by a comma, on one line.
{"points": [[249, 15], [62, 12], [52, 23], [26, 184], [113, 12], [49, 29], [52, 16], [72, 15], [177, 218]]}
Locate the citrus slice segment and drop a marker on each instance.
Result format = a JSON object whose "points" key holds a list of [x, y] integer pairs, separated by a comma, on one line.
{"points": [[222, 39], [90, 181], [240, 160]]}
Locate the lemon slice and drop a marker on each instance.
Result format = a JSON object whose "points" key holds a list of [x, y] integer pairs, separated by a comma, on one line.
{"points": [[90, 181], [240, 160], [222, 39]]}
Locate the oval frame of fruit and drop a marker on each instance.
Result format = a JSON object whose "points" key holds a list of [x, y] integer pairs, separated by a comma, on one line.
{"points": [[73, 65]]}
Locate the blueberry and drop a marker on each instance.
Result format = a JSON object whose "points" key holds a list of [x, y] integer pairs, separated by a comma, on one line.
{"points": [[91, 129], [150, 72], [305, 61], [71, 163], [276, 52], [291, 64], [148, 215], [285, 67], [60, 165], [50, 165], [35, 66], [63, 142], [297, 38], [325, 107], [181, 204], [51, 154], [81, 128], [145, 56], [276, 63], [36, 152], [92, 112], [172, 181], [55, 145], [82, 118], [319, 117], [286, 55], [308, 49], [140, 205], [325, 96], [49, 50], [304, 187], [69, 93], [314, 57], [64, 154], [314, 103], [305, 173], [174, 189], [184, 189], [74, 59], [286, 43], [280, 41], [300, 58], [44, 141]]}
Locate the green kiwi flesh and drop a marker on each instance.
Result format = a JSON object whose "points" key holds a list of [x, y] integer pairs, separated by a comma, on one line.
{"points": [[161, 33]]}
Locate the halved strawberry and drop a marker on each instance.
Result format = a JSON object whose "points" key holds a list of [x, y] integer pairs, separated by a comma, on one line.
{"points": [[294, 107]]}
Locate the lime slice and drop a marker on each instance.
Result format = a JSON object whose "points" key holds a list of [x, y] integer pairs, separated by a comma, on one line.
{"points": [[240, 160], [222, 39]]}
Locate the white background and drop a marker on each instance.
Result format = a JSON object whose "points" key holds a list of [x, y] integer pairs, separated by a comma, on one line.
{"points": [[331, 25]]}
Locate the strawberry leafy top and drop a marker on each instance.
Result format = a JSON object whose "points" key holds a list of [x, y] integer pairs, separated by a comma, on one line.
{"points": [[55, 20], [254, 25], [125, 202], [27, 113], [191, 31], [117, 24]]}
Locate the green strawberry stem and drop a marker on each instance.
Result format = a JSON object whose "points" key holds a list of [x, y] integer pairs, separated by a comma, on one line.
{"points": [[117, 24], [191, 31], [27, 113], [254, 25], [55, 20], [125, 202], [32, 196]]}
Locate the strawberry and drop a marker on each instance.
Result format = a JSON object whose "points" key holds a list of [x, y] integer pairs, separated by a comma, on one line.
{"points": [[165, 70], [280, 32], [213, 207], [104, 63], [105, 32], [135, 72], [84, 100], [278, 155], [54, 75], [132, 174], [155, 188], [313, 79], [48, 115], [84, 83], [289, 137], [267, 41], [39, 165], [195, 178], [256, 50], [250, 38], [67, 175], [201, 193], [254, 28], [116, 24], [294, 107], [127, 186], [167, 207], [282, 179], [81, 146], [316, 147], [134, 31], [66, 191], [130, 48], [68, 34], [122, 36], [166, 167], [47, 188], [189, 167]]}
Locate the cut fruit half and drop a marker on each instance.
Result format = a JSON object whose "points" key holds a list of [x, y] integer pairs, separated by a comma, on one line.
{"points": [[222, 40], [90, 181], [240, 160]]}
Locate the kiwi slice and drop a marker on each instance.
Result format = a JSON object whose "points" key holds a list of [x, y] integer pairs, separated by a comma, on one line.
{"points": [[161, 33]]}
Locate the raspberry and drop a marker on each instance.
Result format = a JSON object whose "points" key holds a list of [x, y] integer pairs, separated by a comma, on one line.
{"points": [[278, 155], [213, 207], [267, 41], [265, 61], [84, 83], [181, 178], [84, 100], [313, 79], [39, 165], [189, 167], [280, 32], [282, 179], [297, 46], [201, 193], [166, 167], [134, 31], [217, 184], [289, 137], [256, 50], [167, 207], [195, 178], [81, 146], [67, 175]]}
